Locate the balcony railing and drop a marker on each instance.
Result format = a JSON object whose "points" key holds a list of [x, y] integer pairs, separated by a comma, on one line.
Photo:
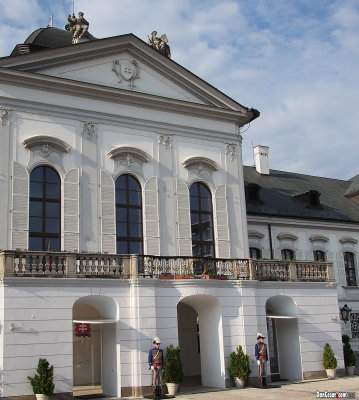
{"points": [[100, 265]]}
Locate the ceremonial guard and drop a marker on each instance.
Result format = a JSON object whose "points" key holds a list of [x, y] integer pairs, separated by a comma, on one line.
{"points": [[261, 355], [156, 362]]}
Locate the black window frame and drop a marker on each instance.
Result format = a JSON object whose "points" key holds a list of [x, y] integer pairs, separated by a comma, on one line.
{"points": [[350, 268], [199, 187], [44, 202], [256, 252], [285, 254], [319, 255], [129, 239]]}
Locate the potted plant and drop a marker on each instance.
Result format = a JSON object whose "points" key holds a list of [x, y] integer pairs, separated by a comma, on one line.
{"points": [[349, 356], [329, 361], [238, 367], [43, 382], [173, 374]]}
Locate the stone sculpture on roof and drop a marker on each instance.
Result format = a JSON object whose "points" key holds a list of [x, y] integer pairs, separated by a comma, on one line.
{"points": [[78, 26], [160, 44]]}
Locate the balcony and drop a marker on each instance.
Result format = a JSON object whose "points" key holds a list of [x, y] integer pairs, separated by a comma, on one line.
{"points": [[115, 266]]}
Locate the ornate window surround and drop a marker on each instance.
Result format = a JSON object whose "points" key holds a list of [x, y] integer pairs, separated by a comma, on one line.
{"points": [[197, 161], [318, 238], [286, 236], [132, 151], [42, 140]]}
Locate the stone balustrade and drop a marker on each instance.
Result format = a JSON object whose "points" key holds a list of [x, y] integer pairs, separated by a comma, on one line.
{"points": [[76, 265]]}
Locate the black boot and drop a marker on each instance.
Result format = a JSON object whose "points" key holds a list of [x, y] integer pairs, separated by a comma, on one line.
{"points": [[260, 382], [154, 392], [264, 382]]}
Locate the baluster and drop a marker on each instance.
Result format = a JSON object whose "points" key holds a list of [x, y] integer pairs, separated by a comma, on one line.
{"points": [[23, 265], [89, 266], [102, 265], [78, 265], [84, 262], [113, 267], [96, 266]]}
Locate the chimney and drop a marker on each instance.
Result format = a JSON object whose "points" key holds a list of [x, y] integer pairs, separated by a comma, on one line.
{"points": [[261, 159]]}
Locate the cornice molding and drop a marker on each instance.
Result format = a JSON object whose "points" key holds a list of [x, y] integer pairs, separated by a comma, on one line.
{"points": [[348, 240], [255, 234], [43, 140], [125, 150], [115, 95], [195, 161]]}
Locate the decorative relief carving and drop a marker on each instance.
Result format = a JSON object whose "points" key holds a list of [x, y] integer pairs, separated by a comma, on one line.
{"points": [[125, 159], [164, 139], [159, 44], [200, 169], [89, 128], [126, 70], [231, 149], [45, 151], [5, 116]]}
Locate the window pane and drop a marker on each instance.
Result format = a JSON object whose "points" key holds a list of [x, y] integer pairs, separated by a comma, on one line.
{"points": [[208, 251], [35, 209], [121, 197], [36, 189], [194, 203], [121, 214], [51, 176], [133, 184], [37, 174], [122, 247], [206, 228], [52, 191], [35, 224], [196, 250], [52, 225], [52, 244], [52, 209], [135, 248], [135, 231], [194, 190], [204, 191], [135, 215], [121, 229], [205, 204], [134, 198], [35, 243]]}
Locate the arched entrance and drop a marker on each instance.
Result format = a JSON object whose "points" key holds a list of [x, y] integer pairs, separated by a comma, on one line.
{"points": [[283, 338], [94, 346], [200, 337]]}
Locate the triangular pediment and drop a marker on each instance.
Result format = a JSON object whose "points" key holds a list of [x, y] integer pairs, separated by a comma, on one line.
{"points": [[126, 63]]}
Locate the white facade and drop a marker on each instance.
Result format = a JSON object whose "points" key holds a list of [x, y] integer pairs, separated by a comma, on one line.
{"points": [[67, 108]]}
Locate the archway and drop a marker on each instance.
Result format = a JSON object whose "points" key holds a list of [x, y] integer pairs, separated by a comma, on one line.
{"points": [[200, 336], [283, 338], [94, 346]]}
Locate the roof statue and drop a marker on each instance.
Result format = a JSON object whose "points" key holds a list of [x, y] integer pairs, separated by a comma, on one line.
{"points": [[160, 44], [78, 26]]}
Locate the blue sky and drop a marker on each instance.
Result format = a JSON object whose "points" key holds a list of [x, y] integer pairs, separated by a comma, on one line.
{"points": [[295, 61]]}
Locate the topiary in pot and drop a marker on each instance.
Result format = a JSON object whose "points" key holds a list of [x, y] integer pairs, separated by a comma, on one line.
{"points": [[238, 367], [349, 356], [173, 373], [42, 383], [329, 360]]}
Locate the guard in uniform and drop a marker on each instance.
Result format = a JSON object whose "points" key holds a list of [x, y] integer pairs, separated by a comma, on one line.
{"points": [[261, 355], [156, 362]]}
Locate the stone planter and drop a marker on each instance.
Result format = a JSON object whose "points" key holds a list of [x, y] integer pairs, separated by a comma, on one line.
{"points": [[350, 370], [40, 396], [239, 383], [172, 388], [331, 373], [167, 277]]}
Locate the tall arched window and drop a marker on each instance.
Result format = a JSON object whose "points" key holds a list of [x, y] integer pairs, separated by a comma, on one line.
{"points": [[129, 237], [201, 221], [319, 255], [255, 253], [349, 265], [44, 209]]}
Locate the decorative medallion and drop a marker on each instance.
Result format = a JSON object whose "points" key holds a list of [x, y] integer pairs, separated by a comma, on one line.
{"points": [[5, 115], [126, 159], [231, 149], [126, 70], [89, 128], [201, 169], [164, 139], [45, 151]]}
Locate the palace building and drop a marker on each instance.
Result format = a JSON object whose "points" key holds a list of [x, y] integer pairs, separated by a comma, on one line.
{"points": [[127, 214]]}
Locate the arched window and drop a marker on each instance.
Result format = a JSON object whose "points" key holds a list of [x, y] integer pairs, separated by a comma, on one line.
{"points": [[287, 254], [129, 237], [201, 221], [349, 265], [319, 255], [44, 209], [255, 253]]}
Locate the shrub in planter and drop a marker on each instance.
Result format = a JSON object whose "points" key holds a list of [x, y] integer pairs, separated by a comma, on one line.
{"points": [[238, 365], [329, 360], [43, 381], [349, 356], [173, 372]]}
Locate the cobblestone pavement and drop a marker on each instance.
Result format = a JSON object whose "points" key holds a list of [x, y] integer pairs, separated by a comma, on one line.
{"points": [[281, 390]]}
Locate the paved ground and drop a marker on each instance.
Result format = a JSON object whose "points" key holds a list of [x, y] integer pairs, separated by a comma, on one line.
{"points": [[298, 390]]}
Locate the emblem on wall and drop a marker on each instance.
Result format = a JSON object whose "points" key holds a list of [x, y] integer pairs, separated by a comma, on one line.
{"points": [[5, 116], [126, 70], [82, 329]]}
